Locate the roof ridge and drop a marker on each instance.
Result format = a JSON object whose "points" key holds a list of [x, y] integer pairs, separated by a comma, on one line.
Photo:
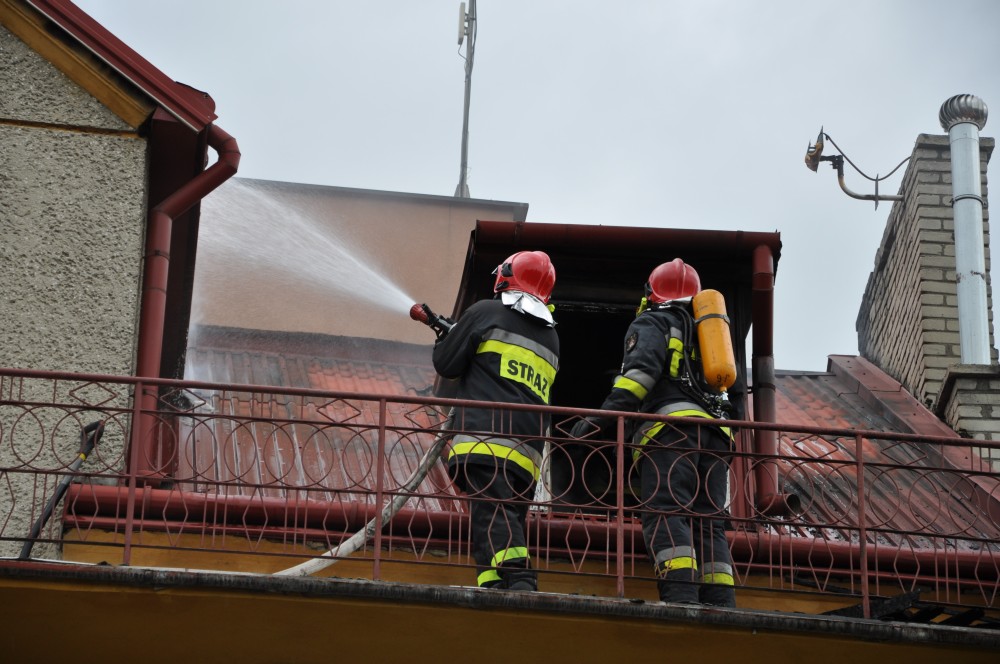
{"points": [[878, 389]]}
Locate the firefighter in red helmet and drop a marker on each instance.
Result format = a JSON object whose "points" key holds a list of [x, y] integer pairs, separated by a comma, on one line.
{"points": [[503, 350], [683, 468]]}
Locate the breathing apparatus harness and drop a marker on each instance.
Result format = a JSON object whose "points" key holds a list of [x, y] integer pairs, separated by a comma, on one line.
{"points": [[690, 377]]}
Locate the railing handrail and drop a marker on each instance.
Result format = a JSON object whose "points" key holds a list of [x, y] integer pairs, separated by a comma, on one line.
{"points": [[446, 402]]}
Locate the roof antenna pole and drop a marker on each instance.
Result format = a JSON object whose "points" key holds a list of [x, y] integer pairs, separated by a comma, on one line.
{"points": [[466, 26]]}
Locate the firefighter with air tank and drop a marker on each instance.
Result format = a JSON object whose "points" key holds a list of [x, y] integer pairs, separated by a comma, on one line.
{"points": [[678, 360]]}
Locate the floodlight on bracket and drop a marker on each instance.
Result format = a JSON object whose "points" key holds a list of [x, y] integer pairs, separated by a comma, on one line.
{"points": [[814, 155]]}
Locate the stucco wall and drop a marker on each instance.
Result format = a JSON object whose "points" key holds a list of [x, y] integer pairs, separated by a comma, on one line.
{"points": [[71, 225], [72, 187]]}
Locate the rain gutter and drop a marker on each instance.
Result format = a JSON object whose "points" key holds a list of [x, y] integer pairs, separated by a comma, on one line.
{"points": [[768, 498], [520, 233], [156, 270]]}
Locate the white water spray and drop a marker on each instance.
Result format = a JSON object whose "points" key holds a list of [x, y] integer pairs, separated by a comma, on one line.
{"points": [[256, 227]]}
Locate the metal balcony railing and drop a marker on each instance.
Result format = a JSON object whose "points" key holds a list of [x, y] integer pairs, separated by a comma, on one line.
{"points": [[251, 478]]}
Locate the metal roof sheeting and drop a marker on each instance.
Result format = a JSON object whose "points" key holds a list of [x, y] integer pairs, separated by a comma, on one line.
{"points": [[323, 445], [908, 485]]}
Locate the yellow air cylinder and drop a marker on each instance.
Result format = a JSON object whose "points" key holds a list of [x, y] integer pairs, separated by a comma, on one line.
{"points": [[714, 341]]}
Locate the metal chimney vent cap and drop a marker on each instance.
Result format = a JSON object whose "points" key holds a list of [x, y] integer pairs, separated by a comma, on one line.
{"points": [[963, 108]]}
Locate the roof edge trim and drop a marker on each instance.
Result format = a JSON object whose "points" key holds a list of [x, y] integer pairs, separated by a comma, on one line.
{"points": [[507, 232], [179, 100]]}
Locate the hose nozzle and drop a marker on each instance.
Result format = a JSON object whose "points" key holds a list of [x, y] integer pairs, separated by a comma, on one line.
{"points": [[423, 314], [418, 312]]}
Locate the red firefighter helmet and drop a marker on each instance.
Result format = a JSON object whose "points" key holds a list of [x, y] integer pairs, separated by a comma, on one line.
{"points": [[672, 281], [527, 271]]}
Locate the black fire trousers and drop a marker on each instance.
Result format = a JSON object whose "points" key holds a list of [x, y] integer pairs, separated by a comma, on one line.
{"points": [[683, 478], [498, 509]]}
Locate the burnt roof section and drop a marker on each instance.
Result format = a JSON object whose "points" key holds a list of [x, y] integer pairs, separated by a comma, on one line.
{"points": [[519, 211], [347, 364]]}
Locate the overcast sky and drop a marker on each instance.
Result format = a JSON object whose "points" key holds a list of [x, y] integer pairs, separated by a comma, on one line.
{"points": [[682, 114]]}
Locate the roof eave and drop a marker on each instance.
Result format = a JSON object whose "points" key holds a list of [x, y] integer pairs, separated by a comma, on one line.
{"points": [[193, 108]]}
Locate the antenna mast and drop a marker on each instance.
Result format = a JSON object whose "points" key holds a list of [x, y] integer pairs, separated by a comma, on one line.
{"points": [[466, 26]]}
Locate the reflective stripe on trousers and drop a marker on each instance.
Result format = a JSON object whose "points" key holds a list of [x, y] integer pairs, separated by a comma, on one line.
{"points": [[679, 409], [517, 554], [520, 453]]}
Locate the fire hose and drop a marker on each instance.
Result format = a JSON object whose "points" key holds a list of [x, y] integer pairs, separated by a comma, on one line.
{"points": [[89, 436], [441, 326]]}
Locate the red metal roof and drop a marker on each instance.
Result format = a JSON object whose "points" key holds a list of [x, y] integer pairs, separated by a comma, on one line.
{"points": [[192, 107], [333, 451], [909, 484]]}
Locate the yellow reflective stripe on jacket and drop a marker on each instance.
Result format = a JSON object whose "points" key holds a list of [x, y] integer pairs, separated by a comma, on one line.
{"points": [[630, 385], [677, 346], [513, 553], [719, 578], [514, 339], [636, 381], [488, 576], [499, 449], [523, 365], [650, 433]]}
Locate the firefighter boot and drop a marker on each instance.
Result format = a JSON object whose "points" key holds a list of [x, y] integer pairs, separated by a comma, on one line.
{"points": [[677, 586], [718, 594], [524, 584], [519, 577]]}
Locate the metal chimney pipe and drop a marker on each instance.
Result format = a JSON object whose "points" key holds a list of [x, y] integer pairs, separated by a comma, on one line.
{"points": [[963, 116]]}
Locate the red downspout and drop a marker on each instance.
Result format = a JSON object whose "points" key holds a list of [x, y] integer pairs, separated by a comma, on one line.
{"points": [[154, 289], [768, 498]]}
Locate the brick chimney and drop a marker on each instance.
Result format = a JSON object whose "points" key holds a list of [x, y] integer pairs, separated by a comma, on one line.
{"points": [[908, 324]]}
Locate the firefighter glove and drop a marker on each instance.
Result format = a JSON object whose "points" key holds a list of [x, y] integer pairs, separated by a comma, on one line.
{"points": [[588, 428]]}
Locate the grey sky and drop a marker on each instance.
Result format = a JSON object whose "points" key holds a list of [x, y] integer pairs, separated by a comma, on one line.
{"points": [[687, 114]]}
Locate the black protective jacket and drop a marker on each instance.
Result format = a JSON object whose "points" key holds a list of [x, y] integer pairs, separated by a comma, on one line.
{"points": [[660, 350], [500, 355]]}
